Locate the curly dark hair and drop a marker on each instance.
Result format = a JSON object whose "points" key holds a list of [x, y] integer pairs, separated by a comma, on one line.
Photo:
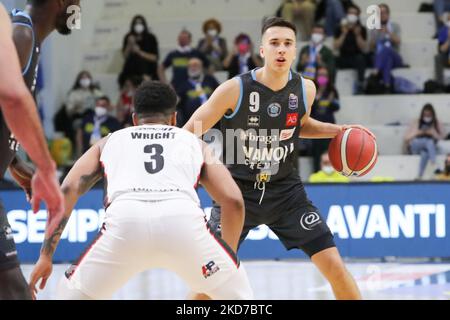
{"points": [[154, 98], [212, 22]]}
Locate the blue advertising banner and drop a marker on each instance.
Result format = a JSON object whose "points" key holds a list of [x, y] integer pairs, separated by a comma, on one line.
{"points": [[368, 221]]}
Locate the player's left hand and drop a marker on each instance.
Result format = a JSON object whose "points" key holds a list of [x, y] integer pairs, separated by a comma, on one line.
{"points": [[46, 188], [42, 270], [345, 127]]}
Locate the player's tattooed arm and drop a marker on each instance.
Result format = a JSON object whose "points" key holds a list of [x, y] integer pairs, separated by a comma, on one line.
{"points": [[87, 181], [83, 175], [50, 243]]}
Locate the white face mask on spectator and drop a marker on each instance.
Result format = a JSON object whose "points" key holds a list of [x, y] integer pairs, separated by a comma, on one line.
{"points": [[352, 18], [139, 28], [317, 38], [427, 119], [100, 111], [194, 74], [85, 83], [212, 32], [328, 169]]}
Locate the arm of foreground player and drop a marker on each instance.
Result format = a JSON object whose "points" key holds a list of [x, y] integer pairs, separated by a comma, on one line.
{"points": [[82, 177], [220, 185], [17, 103], [314, 129]]}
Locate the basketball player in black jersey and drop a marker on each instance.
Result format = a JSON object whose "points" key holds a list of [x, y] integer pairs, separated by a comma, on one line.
{"points": [[266, 110], [30, 28]]}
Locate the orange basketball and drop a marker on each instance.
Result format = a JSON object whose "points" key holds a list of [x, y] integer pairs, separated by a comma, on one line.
{"points": [[353, 152]]}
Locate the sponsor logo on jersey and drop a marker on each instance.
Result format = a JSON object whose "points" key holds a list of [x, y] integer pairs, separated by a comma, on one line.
{"points": [[253, 121], [291, 119], [293, 102], [209, 269], [268, 154], [286, 134], [274, 110], [309, 220], [262, 136], [263, 177]]}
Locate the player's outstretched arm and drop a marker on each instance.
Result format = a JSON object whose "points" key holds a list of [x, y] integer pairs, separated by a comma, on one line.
{"points": [[224, 99], [82, 177], [17, 103], [221, 187], [314, 129]]}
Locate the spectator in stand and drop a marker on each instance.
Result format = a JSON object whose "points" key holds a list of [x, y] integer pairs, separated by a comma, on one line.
{"points": [[125, 105], [443, 57], [384, 43], [178, 60], [213, 46], [323, 109], [441, 7], [243, 57], [423, 136], [301, 13], [350, 39], [81, 98], [315, 54], [331, 13], [327, 174], [140, 50], [195, 91], [444, 175], [96, 125]]}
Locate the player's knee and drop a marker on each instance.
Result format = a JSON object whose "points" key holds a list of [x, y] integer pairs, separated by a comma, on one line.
{"points": [[330, 263]]}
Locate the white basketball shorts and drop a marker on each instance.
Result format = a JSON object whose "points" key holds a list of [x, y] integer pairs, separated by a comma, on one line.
{"points": [[172, 235]]}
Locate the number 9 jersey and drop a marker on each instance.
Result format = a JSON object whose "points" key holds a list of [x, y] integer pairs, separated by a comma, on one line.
{"points": [[152, 162]]}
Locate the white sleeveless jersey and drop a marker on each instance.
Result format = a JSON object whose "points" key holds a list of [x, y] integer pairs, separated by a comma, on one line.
{"points": [[152, 162]]}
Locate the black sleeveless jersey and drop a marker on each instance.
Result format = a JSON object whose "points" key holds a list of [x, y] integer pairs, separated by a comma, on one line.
{"points": [[8, 144], [260, 138]]}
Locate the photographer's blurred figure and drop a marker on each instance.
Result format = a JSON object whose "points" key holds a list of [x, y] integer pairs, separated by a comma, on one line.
{"points": [[327, 174]]}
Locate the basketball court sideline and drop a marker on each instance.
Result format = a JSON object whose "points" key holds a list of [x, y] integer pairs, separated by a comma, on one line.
{"points": [[295, 280]]}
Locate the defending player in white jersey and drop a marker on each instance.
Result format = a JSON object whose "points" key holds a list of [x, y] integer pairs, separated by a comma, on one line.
{"points": [[153, 216]]}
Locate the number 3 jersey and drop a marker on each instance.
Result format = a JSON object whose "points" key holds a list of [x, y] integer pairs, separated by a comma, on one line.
{"points": [[261, 135], [152, 162]]}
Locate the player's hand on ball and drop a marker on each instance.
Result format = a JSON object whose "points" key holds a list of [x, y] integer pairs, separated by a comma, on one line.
{"points": [[42, 270], [345, 127]]}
